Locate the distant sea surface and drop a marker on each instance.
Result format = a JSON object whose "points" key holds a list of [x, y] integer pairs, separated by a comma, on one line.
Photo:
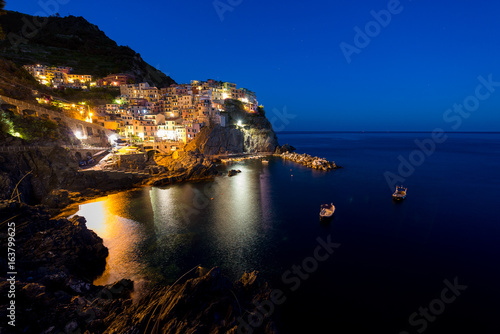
{"points": [[394, 261]]}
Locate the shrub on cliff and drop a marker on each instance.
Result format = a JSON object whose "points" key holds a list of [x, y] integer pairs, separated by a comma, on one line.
{"points": [[73, 41], [6, 125], [31, 128]]}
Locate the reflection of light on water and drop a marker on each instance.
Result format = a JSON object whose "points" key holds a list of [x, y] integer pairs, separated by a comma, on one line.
{"points": [[95, 214], [242, 198], [265, 200], [238, 221], [164, 204], [153, 232], [119, 235]]}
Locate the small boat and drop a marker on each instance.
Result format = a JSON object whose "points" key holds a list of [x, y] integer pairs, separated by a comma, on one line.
{"points": [[327, 211], [265, 161], [400, 193]]}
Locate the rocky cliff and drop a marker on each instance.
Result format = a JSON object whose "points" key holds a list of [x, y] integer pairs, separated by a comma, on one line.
{"points": [[50, 168], [50, 175], [56, 261], [232, 139], [245, 132]]}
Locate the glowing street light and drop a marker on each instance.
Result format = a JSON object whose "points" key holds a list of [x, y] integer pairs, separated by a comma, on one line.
{"points": [[113, 138], [78, 134]]}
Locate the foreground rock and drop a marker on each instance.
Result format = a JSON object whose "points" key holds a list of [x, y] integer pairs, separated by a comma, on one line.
{"points": [[57, 260], [186, 166], [207, 304], [310, 161]]}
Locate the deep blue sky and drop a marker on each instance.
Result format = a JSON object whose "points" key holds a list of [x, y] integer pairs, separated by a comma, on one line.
{"points": [[426, 59]]}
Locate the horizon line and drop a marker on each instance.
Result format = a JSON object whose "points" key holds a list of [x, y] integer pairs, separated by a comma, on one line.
{"points": [[381, 131]]}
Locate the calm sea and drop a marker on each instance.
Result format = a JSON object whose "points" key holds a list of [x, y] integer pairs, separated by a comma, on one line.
{"points": [[429, 264]]}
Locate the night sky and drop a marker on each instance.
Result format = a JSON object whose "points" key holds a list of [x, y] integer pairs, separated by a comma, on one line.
{"points": [[405, 77]]}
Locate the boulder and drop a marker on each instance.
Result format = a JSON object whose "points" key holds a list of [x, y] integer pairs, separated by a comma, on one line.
{"points": [[285, 149]]}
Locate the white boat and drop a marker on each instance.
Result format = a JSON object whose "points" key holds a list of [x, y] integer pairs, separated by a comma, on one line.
{"points": [[327, 211], [400, 193]]}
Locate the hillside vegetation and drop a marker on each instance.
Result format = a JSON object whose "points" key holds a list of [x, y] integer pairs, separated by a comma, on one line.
{"points": [[72, 41]]}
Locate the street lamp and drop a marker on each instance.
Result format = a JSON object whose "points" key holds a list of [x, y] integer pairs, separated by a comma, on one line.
{"points": [[85, 104]]}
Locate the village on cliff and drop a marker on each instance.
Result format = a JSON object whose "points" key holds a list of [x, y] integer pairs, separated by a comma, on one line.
{"points": [[163, 118]]}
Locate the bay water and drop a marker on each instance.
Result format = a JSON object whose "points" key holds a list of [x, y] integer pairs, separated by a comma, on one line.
{"points": [[428, 264]]}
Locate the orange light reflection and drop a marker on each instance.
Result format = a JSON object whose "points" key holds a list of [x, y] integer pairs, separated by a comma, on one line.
{"points": [[119, 235]]}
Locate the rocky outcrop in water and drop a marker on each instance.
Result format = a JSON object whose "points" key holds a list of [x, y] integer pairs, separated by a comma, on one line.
{"points": [[287, 148]]}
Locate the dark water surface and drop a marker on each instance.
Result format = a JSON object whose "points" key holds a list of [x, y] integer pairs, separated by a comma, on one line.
{"points": [[393, 257]]}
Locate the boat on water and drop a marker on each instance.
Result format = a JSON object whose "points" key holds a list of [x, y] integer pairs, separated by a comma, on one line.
{"points": [[265, 161], [327, 211], [400, 193]]}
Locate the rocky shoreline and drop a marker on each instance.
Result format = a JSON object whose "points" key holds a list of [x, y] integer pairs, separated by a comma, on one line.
{"points": [[309, 161], [57, 261]]}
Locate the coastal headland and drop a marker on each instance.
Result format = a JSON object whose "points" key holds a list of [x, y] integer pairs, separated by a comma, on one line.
{"points": [[58, 259], [61, 143]]}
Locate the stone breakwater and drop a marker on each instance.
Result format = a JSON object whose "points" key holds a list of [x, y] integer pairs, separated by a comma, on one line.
{"points": [[310, 161]]}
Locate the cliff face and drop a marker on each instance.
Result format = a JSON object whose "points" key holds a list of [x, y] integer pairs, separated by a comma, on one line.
{"points": [[255, 134], [223, 140], [219, 140], [54, 179], [259, 140], [51, 169]]}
